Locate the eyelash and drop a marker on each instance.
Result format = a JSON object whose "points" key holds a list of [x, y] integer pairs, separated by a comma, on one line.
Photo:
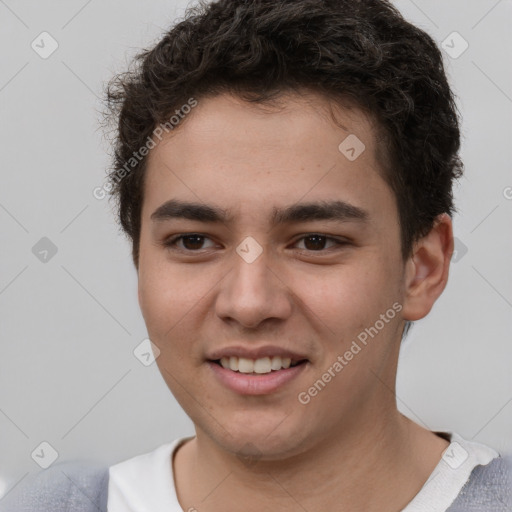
{"points": [[171, 242]]}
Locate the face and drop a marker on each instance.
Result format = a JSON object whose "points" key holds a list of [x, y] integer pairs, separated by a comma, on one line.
{"points": [[290, 247]]}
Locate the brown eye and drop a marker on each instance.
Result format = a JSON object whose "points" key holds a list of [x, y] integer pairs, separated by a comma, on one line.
{"points": [[190, 242], [316, 242]]}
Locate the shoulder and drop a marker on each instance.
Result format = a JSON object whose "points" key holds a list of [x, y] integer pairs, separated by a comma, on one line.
{"points": [[489, 488], [81, 486]]}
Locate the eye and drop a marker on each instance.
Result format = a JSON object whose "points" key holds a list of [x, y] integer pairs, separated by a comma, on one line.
{"points": [[191, 242], [194, 242], [315, 242]]}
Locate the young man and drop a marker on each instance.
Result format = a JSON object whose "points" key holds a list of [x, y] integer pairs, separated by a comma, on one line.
{"points": [[284, 171]]}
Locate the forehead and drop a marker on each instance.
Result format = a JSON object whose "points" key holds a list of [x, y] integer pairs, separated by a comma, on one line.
{"points": [[294, 117], [243, 155]]}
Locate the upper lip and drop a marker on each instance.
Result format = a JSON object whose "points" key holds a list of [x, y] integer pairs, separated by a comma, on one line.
{"points": [[255, 353]]}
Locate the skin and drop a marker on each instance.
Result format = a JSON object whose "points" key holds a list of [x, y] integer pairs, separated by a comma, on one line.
{"points": [[349, 443]]}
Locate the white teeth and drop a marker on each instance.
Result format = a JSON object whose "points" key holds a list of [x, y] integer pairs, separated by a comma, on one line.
{"points": [[262, 365], [245, 365], [286, 362], [276, 363]]}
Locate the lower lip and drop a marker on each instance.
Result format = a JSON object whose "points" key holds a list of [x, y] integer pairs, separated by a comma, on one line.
{"points": [[251, 384]]}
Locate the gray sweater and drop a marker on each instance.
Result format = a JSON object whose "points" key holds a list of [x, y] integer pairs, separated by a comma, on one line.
{"points": [[83, 487]]}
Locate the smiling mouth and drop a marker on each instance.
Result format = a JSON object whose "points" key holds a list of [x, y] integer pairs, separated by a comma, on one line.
{"points": [[261, 366]]}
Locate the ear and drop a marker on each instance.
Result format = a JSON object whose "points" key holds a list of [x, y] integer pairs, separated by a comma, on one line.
{"points": [[426, 271]]}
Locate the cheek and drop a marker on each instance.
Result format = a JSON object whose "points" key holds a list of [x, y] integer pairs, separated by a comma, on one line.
{"points": [[154, 300], [348, 291], [164, 291], [350, 299], [171, 300], [163, 304]]}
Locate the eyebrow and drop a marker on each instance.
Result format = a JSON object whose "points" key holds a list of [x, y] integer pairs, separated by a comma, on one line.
{"points": [[301, 212]]}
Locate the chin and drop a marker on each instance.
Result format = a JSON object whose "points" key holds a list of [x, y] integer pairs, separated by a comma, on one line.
{"points": [[259, 441]]}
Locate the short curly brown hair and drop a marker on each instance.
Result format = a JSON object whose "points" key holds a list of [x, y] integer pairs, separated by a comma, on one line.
{"points": [[360, 50]]}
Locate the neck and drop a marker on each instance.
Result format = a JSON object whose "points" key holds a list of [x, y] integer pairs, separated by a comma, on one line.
{"points": [[357, 470]]}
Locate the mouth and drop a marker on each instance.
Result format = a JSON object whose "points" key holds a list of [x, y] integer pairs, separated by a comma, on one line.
{"points": [[262, 376], [260, 366]]}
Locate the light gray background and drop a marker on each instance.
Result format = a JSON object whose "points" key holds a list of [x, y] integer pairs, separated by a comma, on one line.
{"points": [[68, 327]]}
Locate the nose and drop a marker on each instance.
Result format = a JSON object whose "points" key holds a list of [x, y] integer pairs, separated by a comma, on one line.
{"points": [[253, 293]]}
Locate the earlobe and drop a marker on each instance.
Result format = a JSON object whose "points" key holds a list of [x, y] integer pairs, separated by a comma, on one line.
{"points": [[427, 269]]}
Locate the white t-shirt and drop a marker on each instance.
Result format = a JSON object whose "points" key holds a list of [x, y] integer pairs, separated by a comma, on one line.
{"points": [[145, 483]]}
